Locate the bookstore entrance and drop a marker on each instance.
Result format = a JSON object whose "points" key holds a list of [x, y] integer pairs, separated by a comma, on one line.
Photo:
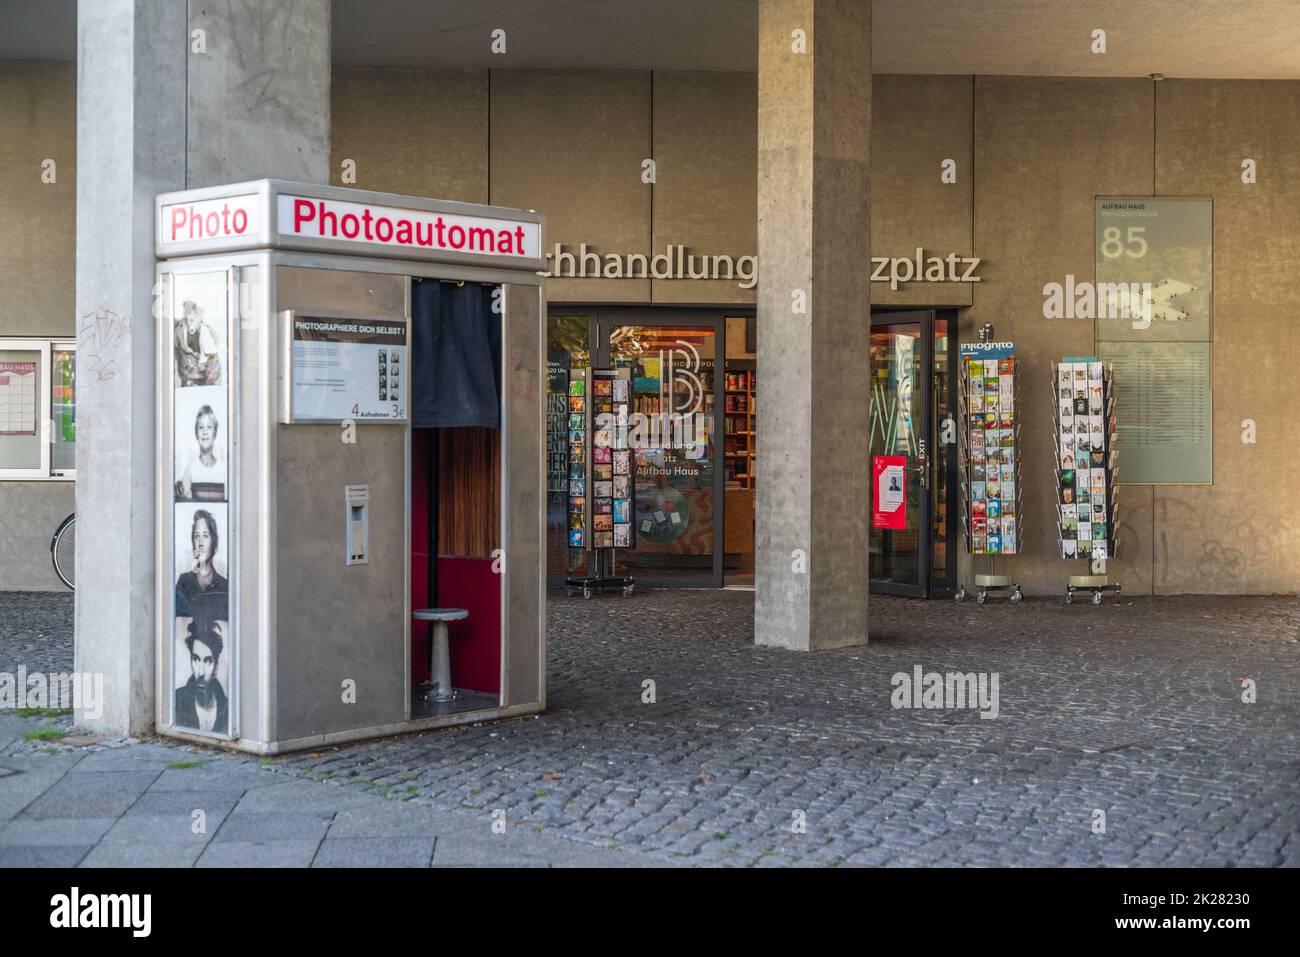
{"points": [[913, 461], [693, 430]]}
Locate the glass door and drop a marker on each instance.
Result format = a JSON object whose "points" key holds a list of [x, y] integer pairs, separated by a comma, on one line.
{"points": [[676, 391], [899, 555], [912, 462]]}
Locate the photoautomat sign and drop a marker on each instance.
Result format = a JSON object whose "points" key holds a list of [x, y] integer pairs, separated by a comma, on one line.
{"points": [[412, 228]]}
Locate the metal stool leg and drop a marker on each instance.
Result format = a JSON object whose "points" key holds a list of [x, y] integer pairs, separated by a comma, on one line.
{"points": [[440, 663]]}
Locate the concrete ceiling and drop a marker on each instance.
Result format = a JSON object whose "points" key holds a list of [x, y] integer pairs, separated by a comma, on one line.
{"points": [[1179, 38]]}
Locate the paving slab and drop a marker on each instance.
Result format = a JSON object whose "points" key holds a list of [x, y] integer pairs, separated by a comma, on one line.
{"points": [[143, 855], [43, 855], [272, 826], [375, 852], [248, 854], [162, 830], [49, 832]]}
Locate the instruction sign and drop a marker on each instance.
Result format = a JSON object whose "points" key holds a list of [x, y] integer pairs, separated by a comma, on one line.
{"points": [[348, 369]]}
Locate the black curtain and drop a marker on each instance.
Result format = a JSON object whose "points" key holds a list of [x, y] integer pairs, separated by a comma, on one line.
{"points": [[456, 356]]}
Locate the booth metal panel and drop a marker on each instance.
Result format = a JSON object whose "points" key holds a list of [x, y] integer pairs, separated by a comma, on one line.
{"points": [[524, 517]]}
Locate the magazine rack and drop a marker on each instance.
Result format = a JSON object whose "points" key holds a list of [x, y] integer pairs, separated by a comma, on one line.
{"points": [[988, 448], [1085, 469], [602, 479]]}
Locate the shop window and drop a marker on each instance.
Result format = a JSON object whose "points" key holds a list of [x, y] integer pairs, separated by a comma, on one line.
{"points": [[38, 409]]}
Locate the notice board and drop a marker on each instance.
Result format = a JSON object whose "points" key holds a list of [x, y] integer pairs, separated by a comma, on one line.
{"points": [[1164, 411]]}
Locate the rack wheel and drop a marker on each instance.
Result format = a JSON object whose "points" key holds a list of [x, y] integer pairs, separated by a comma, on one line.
{"points": [[1069, 598], [586, 591], [1096, 598], [961, 594], [627, 591], [981, 597], [1017, 597]]}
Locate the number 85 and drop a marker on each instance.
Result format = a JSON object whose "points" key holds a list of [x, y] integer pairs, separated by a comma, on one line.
{"points": [[1112, 246]]}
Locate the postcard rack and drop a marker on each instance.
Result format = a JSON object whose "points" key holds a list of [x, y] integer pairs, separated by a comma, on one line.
{"points": [[602, 480], [1085, 470], [988, 447]]}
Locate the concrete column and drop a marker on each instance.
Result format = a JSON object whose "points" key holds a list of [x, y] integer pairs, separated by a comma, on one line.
{"points": [[814, 190], [161, 108]]}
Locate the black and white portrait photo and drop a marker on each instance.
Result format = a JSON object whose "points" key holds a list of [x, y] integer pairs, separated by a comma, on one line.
{"points": [[200, 329], [201, 443]]}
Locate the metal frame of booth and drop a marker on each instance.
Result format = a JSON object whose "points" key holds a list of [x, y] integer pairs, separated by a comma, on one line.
{"points": [[272, 710]]}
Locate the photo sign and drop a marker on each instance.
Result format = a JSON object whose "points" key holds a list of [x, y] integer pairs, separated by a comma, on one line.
{"points": [[344, 368]]}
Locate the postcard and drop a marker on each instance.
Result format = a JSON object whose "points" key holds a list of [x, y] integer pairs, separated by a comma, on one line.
{"points": [[977, 490], [622, 462], [994, 509], [994, 544], [575, 538], [577, 403], [622, 510], [975, 403], [577, 487], [576, 387], [601, 473], [622, 486], [622, 536], [604, 489], [1068, 548], [602, 506], [602, 523], [602, 540], [1006, 367], [602, 387], [601, 455], [621, 390], [576, 423]]}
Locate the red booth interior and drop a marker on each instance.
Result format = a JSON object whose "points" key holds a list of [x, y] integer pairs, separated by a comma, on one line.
{"points": [[467, 470]]}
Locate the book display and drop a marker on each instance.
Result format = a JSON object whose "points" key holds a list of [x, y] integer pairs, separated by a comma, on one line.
{"points": [[1085, 468], [989, 459], [740, 440], [602, 486]]}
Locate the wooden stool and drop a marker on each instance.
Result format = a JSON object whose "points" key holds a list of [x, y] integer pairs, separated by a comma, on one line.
{"points": [[439, 682]]}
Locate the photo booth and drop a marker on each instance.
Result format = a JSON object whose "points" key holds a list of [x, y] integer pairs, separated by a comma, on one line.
{"points": [[350, 527]]}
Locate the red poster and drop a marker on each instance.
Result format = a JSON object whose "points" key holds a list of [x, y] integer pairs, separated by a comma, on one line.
{"points": [[889, 503]]}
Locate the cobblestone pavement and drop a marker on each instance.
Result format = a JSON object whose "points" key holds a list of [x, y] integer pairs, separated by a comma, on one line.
{"points": [[1134, 710]]}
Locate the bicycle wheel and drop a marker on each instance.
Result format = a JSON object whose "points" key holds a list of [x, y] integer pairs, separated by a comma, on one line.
{"points": [[63, 550]]}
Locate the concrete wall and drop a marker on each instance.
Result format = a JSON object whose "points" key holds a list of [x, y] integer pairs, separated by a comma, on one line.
{"points": [[1031, 153], [419, 133], [1044, 147], [38, 121], [1239, 534]]}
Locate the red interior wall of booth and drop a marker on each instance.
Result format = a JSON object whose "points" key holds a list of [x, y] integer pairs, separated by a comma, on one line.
{"points": [[463, 582]]}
